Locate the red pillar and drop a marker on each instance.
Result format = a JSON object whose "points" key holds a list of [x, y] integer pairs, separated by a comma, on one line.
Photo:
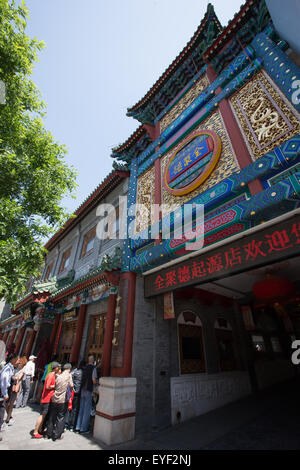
{"points": [[78, 335], [53, 332], [109, 331], [30, 344], [237, 140], [57, 336], [19, 340]]}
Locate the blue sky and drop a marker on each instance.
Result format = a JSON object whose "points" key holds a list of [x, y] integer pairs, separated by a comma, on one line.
{"points": [[101, 57]]}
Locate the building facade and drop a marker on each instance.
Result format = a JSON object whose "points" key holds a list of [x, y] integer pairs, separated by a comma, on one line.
{"points": [[189, 330], [64, 312], [220, 128]]}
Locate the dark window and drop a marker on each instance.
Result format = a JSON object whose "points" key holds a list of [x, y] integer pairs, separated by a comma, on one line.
{"points": [[191, 348], [88, 242], [49, 270]]}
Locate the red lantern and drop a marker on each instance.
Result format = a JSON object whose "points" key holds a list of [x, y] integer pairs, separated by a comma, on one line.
{"points": [[273, 288]]}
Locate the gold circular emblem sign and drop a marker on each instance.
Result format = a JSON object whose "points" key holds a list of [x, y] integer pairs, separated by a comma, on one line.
{"points": [[192, 163]]}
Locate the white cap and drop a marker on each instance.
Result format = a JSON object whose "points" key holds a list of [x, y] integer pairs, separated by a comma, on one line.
{"points": [[32, 357]]}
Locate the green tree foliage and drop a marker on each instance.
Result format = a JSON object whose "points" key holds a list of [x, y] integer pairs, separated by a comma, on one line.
{"points": [[33, 174]]}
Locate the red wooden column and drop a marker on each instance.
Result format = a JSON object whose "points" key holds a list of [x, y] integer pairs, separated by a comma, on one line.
{"points": [[109, 331], [127, 359], [78, 334], [30, 344], [53, 332], [237, 140], [57, 336], [20, 339]]}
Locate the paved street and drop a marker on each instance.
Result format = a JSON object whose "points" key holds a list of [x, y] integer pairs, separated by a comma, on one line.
{"points": [[17, 436], [269, 420]]}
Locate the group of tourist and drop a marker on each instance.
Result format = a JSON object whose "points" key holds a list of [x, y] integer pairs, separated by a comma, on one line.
{"points": [[67, 396], [16, 377]]}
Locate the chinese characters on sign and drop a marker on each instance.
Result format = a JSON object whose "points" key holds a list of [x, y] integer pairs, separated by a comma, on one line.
{"points": [[268, 245], [190, 159], [27, 315], [68, 315]]}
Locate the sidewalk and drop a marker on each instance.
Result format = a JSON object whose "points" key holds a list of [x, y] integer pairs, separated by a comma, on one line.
{"points": [[268, 420]]}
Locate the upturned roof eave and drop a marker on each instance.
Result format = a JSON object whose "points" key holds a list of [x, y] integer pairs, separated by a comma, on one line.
{"points": [[175, 64]]}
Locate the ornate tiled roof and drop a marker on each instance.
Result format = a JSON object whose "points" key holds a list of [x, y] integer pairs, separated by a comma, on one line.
{"points": [[109, 263], [46, 286], [177, 75], [60, 288]]}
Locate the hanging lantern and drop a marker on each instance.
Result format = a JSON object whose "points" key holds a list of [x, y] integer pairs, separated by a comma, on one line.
{"points": [[271, 289]]}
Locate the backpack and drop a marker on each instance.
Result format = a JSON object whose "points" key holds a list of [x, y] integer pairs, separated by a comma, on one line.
{"points": [[68, 393]]}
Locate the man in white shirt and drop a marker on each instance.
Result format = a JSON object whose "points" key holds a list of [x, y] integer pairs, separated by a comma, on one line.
{"points": [[27, 380]]}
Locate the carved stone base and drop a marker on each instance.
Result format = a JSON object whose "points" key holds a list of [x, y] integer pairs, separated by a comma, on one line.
{"points": [[196, 394], [115, 413]]}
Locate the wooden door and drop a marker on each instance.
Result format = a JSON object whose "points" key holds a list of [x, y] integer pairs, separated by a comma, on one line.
{"points": [[66, 341], [96, 336]]}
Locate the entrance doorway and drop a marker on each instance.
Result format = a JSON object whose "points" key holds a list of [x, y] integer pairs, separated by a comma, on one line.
{"points": [[96, 336], [66, 341], [225, 344]]}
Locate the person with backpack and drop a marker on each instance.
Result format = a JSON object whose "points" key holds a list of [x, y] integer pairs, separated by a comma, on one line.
{"points": [[5, 382], [15, 389], [89, 378], [59, 404], [76, 373], [48, 392]]}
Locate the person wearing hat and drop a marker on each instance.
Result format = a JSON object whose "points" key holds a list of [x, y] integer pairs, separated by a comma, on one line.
{"points": [[28, 374], [59, 404], [48, 392]]}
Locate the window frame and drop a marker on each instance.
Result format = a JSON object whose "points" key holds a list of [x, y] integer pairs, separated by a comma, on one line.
{"points": [[49, 271], [63, 266], [87, 238]]}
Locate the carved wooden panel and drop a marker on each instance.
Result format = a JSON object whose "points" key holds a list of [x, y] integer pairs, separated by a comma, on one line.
{"points": [[184, 102], [265, 118]]}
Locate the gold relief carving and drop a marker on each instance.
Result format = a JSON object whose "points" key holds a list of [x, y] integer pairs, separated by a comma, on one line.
{"points": [[145, 197], [184, 102], [265, 119], [226, 166]]}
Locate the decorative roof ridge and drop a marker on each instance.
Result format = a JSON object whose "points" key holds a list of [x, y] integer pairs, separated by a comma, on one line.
{"points": [[131, 140], [72, 285], [45, 286], [9, 319], [119, 172], [232, 24], [178, 59]]}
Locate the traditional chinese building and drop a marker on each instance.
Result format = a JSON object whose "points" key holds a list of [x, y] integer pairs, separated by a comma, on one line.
{"points": [[64, 312], [219, 128], [187, 331]]}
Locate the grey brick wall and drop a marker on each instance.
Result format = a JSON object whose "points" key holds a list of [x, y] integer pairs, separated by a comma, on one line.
{"points": [[75, 238], [156, 352]]}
